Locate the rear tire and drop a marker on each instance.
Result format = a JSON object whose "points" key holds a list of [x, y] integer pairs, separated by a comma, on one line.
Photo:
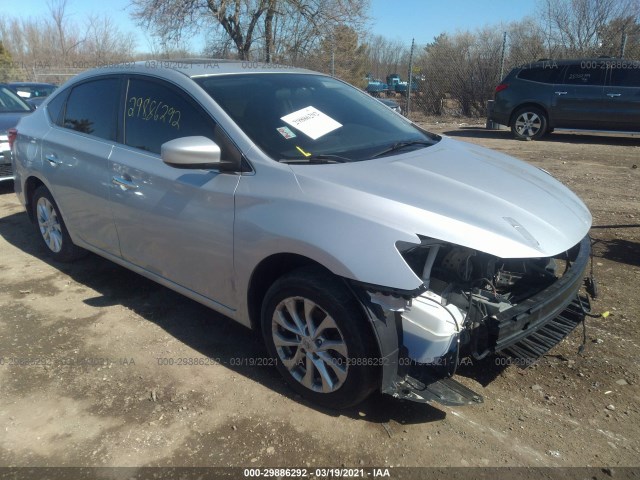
{"points": [[51, 228], [529, 123], [323, 345]]}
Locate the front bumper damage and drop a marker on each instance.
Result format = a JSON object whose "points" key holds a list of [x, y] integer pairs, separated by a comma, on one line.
{"points": [[524, 332]]}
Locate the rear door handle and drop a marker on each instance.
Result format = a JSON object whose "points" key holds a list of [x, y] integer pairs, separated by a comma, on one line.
{"points": [[53, 159], [614, 95], [123, 183], [561, 93]]}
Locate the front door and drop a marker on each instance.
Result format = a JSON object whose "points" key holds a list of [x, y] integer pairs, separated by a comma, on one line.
{"points": [[176, 223], [579, 101]]}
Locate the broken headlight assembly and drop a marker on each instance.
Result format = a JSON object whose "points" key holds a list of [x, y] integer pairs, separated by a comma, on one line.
{"points": [[473, 304]]}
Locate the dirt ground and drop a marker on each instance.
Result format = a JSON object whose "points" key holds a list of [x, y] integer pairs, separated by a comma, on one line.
{"points": [[101, 367]]}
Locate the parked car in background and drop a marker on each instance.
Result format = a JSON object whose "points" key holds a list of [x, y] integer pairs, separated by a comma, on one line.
{"points": [[12, 108], [33, 93], [393, 105], [589, 94], [370, 254]]}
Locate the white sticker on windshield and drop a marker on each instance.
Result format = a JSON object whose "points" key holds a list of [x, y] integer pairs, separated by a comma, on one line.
{"points": [[286, 132], [312, 122]]}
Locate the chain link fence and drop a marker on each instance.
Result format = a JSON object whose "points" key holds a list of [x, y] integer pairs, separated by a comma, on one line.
{"points": [[457, 78]]}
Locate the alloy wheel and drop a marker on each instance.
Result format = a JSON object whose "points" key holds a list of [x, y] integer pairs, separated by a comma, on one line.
{"points": [[310, 344], [50, 227]]}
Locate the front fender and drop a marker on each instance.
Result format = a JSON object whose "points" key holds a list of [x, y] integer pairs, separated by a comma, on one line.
{"points": [[349, 246]]}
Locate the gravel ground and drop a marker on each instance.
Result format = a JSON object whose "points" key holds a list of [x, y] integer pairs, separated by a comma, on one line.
{"points": [[101, 367]]}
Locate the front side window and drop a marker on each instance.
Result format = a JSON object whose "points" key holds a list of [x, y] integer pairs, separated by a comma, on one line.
{"points": [[92, 107], [301, 117], [626, 77], [155, 113]]}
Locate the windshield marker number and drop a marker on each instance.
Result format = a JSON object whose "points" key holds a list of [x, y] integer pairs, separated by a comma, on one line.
{"points": [[148, 109]]}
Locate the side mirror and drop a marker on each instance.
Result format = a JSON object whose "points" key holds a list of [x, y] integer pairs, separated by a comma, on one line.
{"points": [[193, 152]]}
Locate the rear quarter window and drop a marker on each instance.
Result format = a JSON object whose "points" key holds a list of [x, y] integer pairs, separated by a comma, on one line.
{"points": [[55, 107]]}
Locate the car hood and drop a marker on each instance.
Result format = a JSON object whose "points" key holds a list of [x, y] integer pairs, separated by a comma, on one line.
{"points": [[456, 192], [10, 119]]}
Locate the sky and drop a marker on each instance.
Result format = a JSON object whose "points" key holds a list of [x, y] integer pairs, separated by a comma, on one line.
{"points": [[397, 20]]}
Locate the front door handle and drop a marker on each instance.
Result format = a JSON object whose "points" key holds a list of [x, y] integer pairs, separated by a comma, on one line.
{"points": [[561, 93], [614, 95], [123, 183], [53, 159]]}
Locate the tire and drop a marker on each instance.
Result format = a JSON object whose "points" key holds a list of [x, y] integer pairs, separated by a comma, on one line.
{"points": [[529, 123], [51, 228], [337, 376]]}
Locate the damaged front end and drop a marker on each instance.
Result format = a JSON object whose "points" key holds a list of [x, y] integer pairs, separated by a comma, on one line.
{"points": [[471, 304]]}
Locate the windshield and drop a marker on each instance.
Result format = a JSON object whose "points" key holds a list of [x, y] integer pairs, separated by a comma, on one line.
{"points": [[304, 117], [10, 102], [31, 91]]}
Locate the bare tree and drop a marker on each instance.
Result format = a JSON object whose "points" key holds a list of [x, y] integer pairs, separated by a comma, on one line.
{"points": [[460, 71], [104, 43], [53, 47], [242, 20], [386, 56], [576, 26]]}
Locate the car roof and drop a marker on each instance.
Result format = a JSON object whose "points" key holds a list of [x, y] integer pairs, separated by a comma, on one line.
{"points": [[196, 67], [545, 62], [31, 84]]}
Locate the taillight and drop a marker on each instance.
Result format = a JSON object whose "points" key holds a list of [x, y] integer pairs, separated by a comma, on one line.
{"points": [[12, 133], [502, 86]]}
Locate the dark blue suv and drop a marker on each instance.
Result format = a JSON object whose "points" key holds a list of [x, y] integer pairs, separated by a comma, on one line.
{"points": [[589, 94]]}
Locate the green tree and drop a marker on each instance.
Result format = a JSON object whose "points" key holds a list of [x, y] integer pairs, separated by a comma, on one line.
{"points": [[342, 54], [6, 65]]}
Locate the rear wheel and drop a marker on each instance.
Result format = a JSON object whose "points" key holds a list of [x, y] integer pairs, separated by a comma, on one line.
{"points": [[51, 228], [529, 122], [324, 347]]}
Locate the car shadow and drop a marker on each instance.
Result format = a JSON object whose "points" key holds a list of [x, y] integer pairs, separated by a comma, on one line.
{"points": [[555, 137], [618, 250], [6, 187], [213, 335]]}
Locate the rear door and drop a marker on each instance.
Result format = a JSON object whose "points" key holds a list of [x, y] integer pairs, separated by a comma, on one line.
{"points": [[579, 101], [623, 95], [176, 223], [75, 160]]}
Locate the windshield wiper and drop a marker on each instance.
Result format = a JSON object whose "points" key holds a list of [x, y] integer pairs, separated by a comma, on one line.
{"points": [[318, 159], [401, 145]]}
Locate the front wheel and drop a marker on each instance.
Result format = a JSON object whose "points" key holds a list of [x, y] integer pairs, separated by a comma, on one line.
{"points": [[529, 123], [324, 347], [51, 228]]}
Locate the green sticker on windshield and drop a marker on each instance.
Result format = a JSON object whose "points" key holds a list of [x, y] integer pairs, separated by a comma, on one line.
{"points": [[286, 132]]}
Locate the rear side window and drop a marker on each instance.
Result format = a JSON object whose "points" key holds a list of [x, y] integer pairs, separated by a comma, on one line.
{"points": [[92, 107], [550, 74], [54, 108], [155, 113], [625, 77], [577, 75]]}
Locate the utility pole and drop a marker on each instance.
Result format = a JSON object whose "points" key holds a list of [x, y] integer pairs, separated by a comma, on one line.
{"points": [[504, 48], [623, 44], [410, 77], [333, 54]]}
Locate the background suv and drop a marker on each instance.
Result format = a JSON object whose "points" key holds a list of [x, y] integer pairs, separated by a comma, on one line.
{"points": [[591, 94]]}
